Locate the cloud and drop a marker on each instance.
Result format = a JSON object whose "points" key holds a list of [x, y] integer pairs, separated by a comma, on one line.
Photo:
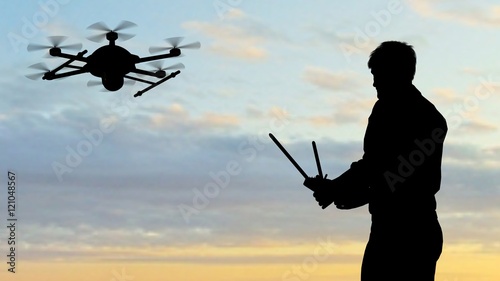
{"points": [[493, 152], [351, 42], [445, 95], [468, 155], [477, 126], [458, 12], [345, 112], [465, 112], [475, 72], [332, 81], [175, 117], [135, 180], [348, 102], [58, 27], [256, 112], [236, 37]]}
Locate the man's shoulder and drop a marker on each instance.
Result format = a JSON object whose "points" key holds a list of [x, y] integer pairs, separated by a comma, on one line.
{"points": [[429, 112]]}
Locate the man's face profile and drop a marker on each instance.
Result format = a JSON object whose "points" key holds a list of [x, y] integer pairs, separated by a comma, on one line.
{"points": [[382, 78], [387, 78]]}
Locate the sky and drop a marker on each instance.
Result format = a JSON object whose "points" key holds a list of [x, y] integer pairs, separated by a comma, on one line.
{"points": [[184, 183]]}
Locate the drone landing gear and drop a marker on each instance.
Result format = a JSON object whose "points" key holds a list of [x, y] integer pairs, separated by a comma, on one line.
{"points": [[172, 75]]}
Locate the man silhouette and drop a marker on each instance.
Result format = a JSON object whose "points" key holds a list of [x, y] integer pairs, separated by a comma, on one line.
{"points": [[399, 174]]}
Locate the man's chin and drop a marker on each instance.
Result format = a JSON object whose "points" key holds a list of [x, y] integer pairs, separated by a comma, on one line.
{"points": [[384, 92], [380, 93]]}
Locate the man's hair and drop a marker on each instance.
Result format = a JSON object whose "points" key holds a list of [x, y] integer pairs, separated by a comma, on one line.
{"points": [[394, 56]]}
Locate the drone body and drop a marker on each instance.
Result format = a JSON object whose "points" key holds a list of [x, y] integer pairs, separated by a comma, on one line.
{"points": [[112, 63]]}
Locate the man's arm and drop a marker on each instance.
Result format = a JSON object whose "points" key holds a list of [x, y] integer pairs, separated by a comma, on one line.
{"points": [[349, 190]]}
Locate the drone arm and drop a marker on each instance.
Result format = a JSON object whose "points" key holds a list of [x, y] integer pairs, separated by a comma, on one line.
{"points": [[143, 72], [71, 58], [172, 75], [138, 79], [158, 57], [52, 75], [74, 66]]}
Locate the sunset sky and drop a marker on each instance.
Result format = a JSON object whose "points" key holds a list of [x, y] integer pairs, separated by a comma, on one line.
{"points": [[184, 183]]}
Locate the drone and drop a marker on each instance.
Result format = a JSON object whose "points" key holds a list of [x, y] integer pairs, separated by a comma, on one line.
{"points": [[112, 63]]}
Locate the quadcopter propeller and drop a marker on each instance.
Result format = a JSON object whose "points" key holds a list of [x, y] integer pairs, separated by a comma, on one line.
{"points": [[55, 42], [174, 43], [101, 26], [158, 66], [38, 66], [160, 70]]}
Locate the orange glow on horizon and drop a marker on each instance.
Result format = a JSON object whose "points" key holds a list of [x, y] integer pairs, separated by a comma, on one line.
{"points": [[308, 262]]}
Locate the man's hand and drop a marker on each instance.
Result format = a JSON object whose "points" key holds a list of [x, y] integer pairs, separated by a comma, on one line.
{"points": [[322, 190], [324, 197], [316, 183]]}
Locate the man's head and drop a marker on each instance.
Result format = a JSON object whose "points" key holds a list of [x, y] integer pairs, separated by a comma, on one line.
{"points": [[393, 65]]}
